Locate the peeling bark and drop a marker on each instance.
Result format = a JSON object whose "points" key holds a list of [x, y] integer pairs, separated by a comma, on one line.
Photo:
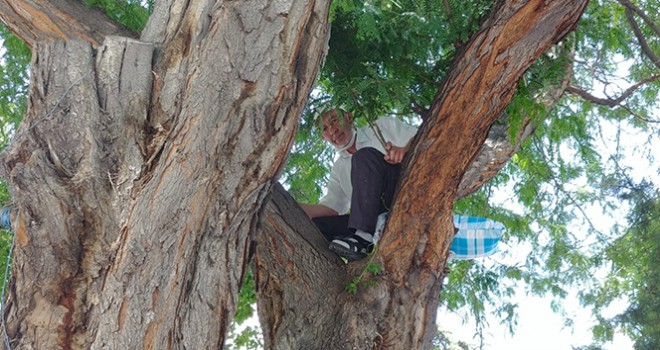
{"points": [[37, 20]]}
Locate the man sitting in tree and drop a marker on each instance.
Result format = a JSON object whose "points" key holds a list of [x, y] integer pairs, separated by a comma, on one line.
{"points": [[362, 180]]}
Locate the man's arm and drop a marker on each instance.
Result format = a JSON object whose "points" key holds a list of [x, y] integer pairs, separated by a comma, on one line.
{"points": [[317, 210], [398, 136]]}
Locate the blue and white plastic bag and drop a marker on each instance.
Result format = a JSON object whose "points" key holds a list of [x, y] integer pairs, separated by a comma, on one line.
{"points": [[476, 237]]}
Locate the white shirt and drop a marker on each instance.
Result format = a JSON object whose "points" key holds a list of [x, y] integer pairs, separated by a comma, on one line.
{"points": [[338, 196]]}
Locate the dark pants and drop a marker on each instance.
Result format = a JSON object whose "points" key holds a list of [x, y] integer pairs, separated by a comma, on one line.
{"points": [[374, 182]]}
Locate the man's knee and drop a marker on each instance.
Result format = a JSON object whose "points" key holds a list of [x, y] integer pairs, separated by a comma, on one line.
{"points": [[367, 154]]}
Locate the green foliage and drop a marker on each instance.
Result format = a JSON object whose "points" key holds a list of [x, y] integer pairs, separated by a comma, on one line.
{"points": [[246, 299], [6, 242], [387, 56], [634, 273], [13, 96], [131, 13], [13, 83], [562, 172], [5, 235], [306, 169], [443, 340], [248, 338], [370, 269]]}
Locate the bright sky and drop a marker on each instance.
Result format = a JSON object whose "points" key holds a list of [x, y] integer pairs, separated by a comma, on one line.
{"points": [[539, 328]]}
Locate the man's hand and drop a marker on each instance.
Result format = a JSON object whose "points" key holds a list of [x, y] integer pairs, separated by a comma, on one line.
{"points": [[394, 153]]}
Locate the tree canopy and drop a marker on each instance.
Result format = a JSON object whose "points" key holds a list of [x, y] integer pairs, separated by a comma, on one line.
{"points": [[389, 58]]}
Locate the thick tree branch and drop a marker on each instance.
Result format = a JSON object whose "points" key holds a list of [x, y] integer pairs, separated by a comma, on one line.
{"points": [[447, 7], [499, 147], [67, 143], [483, 79], [611, 102], [481, 83], [37, 20], [638, 32], [291, 261]]}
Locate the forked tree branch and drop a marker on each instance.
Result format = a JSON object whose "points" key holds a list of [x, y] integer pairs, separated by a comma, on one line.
{"points": [[610, 102]]}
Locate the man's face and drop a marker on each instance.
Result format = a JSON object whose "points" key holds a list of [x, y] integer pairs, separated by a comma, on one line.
{"points": [[337, 129]]}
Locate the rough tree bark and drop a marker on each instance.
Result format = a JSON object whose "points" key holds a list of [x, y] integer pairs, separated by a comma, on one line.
{"points": [[149, 210], [139, 184]]}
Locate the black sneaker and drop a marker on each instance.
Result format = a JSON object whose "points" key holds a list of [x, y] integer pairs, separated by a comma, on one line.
{"points": [[352, 247]]}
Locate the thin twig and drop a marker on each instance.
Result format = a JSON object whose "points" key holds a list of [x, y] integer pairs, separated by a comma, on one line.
{"points": [[447, 8], [419, 109], [639, 117], [379, 134]]}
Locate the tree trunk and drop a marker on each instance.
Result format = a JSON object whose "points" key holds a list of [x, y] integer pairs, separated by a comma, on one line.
{"points": [[139, 185], [398, 310]]}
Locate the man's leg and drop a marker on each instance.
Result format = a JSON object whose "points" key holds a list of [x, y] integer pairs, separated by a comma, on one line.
{"points": [[333, 226], [374, 182]]}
